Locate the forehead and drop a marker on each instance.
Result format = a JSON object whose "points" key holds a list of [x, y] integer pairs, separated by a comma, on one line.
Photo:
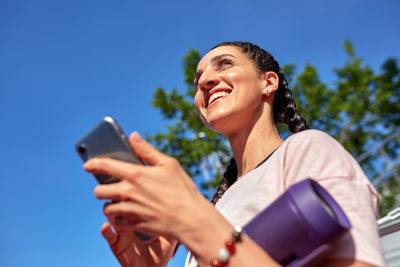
{"points": [[222, 50]]}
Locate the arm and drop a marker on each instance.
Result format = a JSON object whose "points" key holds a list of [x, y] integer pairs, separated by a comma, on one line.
{"points": [[162, 200]]}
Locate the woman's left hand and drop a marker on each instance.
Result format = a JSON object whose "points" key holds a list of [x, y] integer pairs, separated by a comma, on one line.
{"points": [[155, 199]]}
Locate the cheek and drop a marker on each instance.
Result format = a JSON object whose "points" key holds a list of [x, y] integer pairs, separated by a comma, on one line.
{"points": [[232, 78], [245, 83], [239, 78], [198, 101], [198, 104]]}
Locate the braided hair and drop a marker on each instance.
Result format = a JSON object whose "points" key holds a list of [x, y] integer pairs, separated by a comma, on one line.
{"points": [[284, 107]]}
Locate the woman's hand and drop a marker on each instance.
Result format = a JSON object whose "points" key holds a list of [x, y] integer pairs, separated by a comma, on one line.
{"points": [[160, 200], [156, 200], [131, 251], [151, 199]]}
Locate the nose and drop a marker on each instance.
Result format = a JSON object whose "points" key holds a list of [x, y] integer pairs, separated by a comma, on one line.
{"points": [[208, 80]]}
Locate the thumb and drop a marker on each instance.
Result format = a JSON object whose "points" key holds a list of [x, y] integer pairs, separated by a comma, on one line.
{"points": [[145, 151], [109, 234]]}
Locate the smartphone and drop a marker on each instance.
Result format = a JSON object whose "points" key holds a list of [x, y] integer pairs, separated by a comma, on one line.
{"points": [[106, 139]]}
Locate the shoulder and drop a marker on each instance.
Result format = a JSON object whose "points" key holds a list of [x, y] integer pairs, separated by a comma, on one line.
{"points": [[314, 145], [311, 136], [315, 154]]}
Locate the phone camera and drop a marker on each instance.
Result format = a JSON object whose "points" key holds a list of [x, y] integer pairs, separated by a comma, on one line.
{"points": [[82, 149], [83, 152]]}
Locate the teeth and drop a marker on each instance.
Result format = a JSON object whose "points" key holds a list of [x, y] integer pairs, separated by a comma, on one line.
{"points": [[216, 95]]}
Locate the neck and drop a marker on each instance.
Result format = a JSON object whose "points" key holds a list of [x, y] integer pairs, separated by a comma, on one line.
{"points": [[253, 144]]}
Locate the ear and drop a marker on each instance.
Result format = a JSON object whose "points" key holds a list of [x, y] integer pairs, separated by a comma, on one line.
{"points": [[271, 82]]}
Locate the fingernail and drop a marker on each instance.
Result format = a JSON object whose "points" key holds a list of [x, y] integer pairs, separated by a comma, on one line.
{"points": [[138, 136], [119, 220]]}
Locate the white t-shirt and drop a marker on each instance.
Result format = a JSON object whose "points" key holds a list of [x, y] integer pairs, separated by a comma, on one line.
{"points": [[310, 154]]}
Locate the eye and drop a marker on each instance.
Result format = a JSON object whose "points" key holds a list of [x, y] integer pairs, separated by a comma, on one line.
{"points": [[224, 63]]}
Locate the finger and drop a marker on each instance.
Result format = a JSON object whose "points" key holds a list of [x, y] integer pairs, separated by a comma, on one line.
{"points": [[121, 233], [113, 192], [108, 203], [109, 234], [115, 168], [118, 241], [127, 210], [145, 150], [127, 215]]}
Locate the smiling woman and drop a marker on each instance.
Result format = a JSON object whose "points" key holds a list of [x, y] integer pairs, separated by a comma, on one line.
{"points": [[242, 94]]}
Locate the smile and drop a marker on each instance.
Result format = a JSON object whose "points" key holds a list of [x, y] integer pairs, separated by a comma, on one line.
{"points": [[212, 98]]}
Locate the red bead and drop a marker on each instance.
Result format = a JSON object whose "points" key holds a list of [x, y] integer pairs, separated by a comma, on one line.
{"points": [[216, 263], [230, 246]]}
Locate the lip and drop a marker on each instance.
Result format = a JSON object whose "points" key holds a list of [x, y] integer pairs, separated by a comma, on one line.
{"points": [[216, 90]]}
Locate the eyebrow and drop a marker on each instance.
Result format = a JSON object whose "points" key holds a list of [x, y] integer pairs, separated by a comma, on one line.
{"points": [[212, 60]]}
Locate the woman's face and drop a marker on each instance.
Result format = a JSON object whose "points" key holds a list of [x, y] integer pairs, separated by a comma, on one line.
{"points": [[229, 89]]}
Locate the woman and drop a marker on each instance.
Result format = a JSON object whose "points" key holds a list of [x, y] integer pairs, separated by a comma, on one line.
{"points": [[241, 93]]}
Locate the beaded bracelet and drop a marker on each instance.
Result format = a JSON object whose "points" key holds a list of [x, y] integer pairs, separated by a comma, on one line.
{"points": [[229, 249]]}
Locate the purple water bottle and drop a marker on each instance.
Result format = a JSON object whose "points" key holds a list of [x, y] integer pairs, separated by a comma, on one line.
{"points": [[298, 227]]}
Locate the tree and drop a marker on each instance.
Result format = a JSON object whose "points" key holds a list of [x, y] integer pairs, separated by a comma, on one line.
{"points": [[360, 109]]}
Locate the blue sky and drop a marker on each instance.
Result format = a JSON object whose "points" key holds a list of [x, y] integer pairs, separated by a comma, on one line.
{"points": [[66, 64]]}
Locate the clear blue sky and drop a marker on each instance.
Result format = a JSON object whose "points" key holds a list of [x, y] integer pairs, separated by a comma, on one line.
{"points": [[65, 64]]}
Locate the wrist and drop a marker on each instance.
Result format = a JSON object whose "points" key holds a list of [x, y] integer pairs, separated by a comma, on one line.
{"points": [[205, 232], [229, 249]]}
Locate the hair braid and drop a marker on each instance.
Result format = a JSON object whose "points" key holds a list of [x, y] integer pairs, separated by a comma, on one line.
{"points": [[230, 176], [284, 107]]}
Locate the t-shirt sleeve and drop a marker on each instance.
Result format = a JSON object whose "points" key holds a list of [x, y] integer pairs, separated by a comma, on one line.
{"points": [[314, 154]]}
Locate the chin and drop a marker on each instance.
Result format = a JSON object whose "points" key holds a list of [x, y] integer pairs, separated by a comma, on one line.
{"points": [[221, 124]]}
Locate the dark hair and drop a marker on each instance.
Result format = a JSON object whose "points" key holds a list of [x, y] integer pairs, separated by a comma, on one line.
{"points": [[284, 107]]}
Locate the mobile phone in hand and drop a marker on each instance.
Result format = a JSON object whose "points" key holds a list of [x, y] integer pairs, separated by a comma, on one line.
{"points": [[106, 139]]}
